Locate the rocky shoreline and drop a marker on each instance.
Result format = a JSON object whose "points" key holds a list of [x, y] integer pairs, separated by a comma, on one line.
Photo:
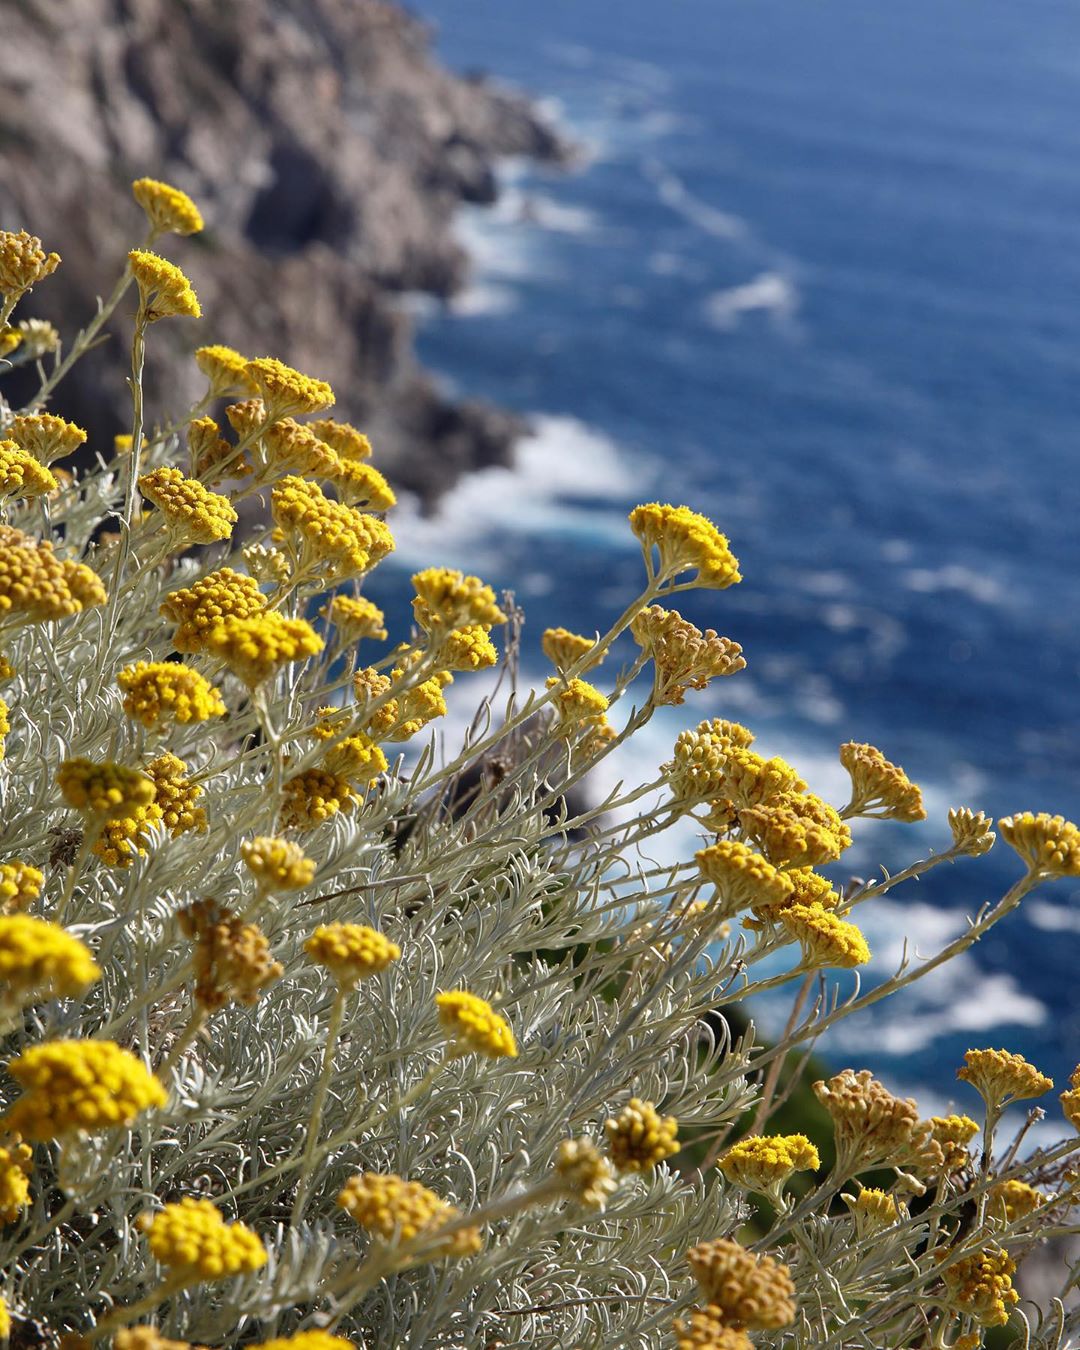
{"points": [[329, 153]]}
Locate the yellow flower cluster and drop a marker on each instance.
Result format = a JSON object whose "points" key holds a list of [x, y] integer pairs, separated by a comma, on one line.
{"points": [[20, 886], [286, 391], [468, 648], [742, 877], [980, 1286], [797, 829], [1000, 1077], [1013, 1200], [414, 708], [225, 369], [825, 939], [683, 656], [193, 514], [401, 1211], [23, 263], [971, 831], [314, 796], [872, 1211], [40, 960], [705, 1330], [290, 447], [565, 649], [343, 438], [584, 1173], [1070, 1100], [256, 647], [163, 288], [874, 1128], [1050, 845], [579, 705], [39, 586], [197, 609], [212, 457], [193, 1241], [21, 475], [104, 790], [639, 1137], [46, 436], [361, 485], [954, 1134], [343, 541], [751, 780], [351, 951], [79, 1085], [277, 864], [306, 1340], [168, 210], [808, 889], [126, 835], [684, 541], [355, 618], [16, 1163], [356, 758], [447, 599], [878, 787], [157, 692], [765, 1162], [749, 1291], [232, 958], [473, 1026], [696, 771]]}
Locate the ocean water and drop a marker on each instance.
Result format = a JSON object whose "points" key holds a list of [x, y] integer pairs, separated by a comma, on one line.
{"points": [[818, 276]]}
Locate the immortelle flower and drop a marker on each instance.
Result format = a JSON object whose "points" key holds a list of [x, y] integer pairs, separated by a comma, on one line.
{"points": [[980, 1286], [954, 1134], [340, 540], [73, 1085], [808, 889], [226, 370], [872, 1211], [751, 1292], [825, 939], [446, 598], [751, 780], [163, 288], [416, 707], [39, 338], [742, 877], [878, 787], [285, 391], [193, 514], [199, 608], [288, 446], [40, 960], [157, 692], [23, 263], [351, 951], [104, 790], [46, 436], [797, 829], [1000, 1077], [765, 1162], [38, 586], [684, 541], [212, 457], [473, 1026], [168, 210], [565, 649], [313, 796], [355, 618], [1050, 845], [696, 770], [873, 1128], [356, 758], [20, 886], [255, 648], [16, 1164], [232, 958], [400, 1211], [1070, 1100], [1014, 1199], [342, 437], [21, 475], [578, 704], [360, 485], [705, 1330], [305, 1340], [639, 1137], [971, 831], [277, 864], [584, 1173], [193, 1241], [468, 649], [683, 656]]}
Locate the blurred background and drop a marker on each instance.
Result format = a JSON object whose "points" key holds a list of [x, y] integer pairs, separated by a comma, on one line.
{"points": [[812, 269]]}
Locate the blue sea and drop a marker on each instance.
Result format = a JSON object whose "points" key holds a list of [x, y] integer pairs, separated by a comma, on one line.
{"points": [[817, 276]]}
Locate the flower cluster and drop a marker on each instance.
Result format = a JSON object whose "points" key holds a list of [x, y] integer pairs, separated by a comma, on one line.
{"points": [[164, 290], [232, 958], [765, 1162], [193, 514], [473, 1026], [79, 1085], [639, 1137], [168, 691], [351, 951], [193, 1241], [406, 1212]]}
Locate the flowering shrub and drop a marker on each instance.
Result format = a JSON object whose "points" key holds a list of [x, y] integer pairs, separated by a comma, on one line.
{"points": [[311, 1044]]}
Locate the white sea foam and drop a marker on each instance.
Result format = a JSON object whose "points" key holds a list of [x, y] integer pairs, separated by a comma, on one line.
{"points": [[484, 299], [1051, 918], [674, 193], [767, 293], [954, 577]]}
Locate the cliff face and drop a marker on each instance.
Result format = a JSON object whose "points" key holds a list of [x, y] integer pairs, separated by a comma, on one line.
{"points": [[328, 153]]}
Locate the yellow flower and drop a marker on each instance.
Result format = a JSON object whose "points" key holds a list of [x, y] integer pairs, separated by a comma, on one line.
{"points": [[226, 370], [5, 1319], [809, 888], [357, 758], [980, 1286], [639, 1137], [751, 1291], [1050, 845], [20, 886], [765, 1162], [193, 1241], [23, 262], [360, 485], [305, 1340], [10, 338], [355, 618], [742, 877], [45, 436], [339, 540], [448, 599], [684, 541], [197, 609], [751, 780], [696, 771], [175, 796], [290, 447], [370, 685], [285, 391], [41, 960], [168, 210], [878, 787], [684, 657], [39, 337], [341, 436], [163, 288], [401, 1211], [954, 1134], [797, 830], [579, 705], [474, 1027], [1000, 1077], [351, 951], [468, 649], [277, 864], [585, 1173], [104, 790], [1012, 1200], [194, 514], [132, 1338], [37, 585], [565, 649], [167, 691], [16, 1163], [874, 1128], [416, 707], [1070, 1100], [232, 958], [872, 1211], [314, 796], [256, 647], [705, 1330], [825, 939], [971, 831], [212, 456], [79, 1085]]}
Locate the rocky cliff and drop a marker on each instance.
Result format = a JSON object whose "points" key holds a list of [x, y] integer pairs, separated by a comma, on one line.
{"points": [[328, 152]]}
